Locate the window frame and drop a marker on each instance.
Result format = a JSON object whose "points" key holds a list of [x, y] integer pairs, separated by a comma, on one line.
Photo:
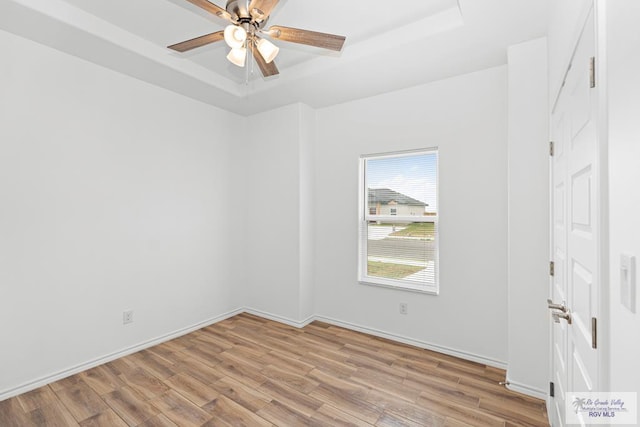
{"points": [[364, 218]]}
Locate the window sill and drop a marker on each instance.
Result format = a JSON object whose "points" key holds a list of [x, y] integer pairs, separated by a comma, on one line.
{"points": [[431, 290]]}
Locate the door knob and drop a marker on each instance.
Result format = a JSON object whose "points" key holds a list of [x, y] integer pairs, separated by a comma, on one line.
{"points": [[555, 306], [560, 315]]}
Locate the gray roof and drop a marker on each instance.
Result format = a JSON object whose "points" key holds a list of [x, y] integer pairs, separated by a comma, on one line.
{"points": [[384, 196]]}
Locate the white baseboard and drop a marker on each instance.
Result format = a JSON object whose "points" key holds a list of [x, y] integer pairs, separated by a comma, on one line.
{"points": [[376, 332], [525, 389], [417, 343], [39, 382], [281, 319]]}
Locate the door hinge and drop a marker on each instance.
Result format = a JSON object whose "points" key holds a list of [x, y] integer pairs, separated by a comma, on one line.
{"points": [[552, 391], [594, 332], [551, 148], [552, 268], [592, 72]]}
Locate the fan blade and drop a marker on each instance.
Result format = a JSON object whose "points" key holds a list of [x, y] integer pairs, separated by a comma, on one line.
{"points": [[265, 7], [198, 42], [311, 38], [212, 8], [267, 70]]}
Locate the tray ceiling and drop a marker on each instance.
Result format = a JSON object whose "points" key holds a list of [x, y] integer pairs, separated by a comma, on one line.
{"points": [[390, 45]]}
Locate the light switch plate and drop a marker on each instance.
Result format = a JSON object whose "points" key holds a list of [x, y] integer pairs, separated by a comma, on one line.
{"points": [[628, 281]]}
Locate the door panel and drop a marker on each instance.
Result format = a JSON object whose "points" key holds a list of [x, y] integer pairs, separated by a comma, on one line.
{"points": [[576, 233]]}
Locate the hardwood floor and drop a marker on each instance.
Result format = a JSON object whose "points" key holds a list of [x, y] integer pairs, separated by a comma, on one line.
{"points": [[248, 371]]}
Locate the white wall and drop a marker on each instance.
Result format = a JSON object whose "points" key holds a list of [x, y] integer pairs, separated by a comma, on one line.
{"points": [[113, 196], [623, 66], [528, 316], [466, 117], [278, 179]]}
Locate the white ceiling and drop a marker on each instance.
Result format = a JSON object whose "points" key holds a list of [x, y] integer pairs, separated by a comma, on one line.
{"points": [[390, 44]]}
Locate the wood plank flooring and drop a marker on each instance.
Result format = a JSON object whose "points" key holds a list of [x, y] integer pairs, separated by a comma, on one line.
{"points": [[248, 371]]}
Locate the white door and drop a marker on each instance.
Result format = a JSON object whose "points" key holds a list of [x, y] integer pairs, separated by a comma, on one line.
{"points": [[575, 229]]}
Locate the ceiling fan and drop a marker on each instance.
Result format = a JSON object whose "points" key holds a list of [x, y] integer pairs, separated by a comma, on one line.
{"points": [[247, 19]]}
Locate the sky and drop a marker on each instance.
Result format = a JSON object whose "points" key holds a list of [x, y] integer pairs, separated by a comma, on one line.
{"points": [[413, 175]]}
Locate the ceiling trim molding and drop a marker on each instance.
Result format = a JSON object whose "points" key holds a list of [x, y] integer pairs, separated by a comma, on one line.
{"points": [[445, 20], [56, 14]]}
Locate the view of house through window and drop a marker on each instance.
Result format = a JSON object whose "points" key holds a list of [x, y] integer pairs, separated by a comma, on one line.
{"points": [[399, 220]]}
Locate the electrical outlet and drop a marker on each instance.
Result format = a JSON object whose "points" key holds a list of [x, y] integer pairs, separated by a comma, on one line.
{"points": [[127, 317], [404, 308]]}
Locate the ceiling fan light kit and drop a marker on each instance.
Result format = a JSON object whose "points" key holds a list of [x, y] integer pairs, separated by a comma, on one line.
{"points": [[235, 36], [247, 19], [268, 50], [237, 56]]}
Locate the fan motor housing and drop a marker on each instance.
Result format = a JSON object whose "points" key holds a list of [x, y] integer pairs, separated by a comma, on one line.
{"points": [[239, 11]]}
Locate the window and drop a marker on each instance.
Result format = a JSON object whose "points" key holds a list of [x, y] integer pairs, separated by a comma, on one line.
{"points": [[398, 244]]}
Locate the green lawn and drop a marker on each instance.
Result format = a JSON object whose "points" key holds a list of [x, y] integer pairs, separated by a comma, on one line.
{"points": [[390, 270], [416, 229]]}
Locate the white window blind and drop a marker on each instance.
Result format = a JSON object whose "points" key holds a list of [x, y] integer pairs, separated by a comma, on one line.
{"points": [[399, 220]]}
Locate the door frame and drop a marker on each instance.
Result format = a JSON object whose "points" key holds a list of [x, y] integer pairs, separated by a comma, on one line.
{"points": [[600, 18]]}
